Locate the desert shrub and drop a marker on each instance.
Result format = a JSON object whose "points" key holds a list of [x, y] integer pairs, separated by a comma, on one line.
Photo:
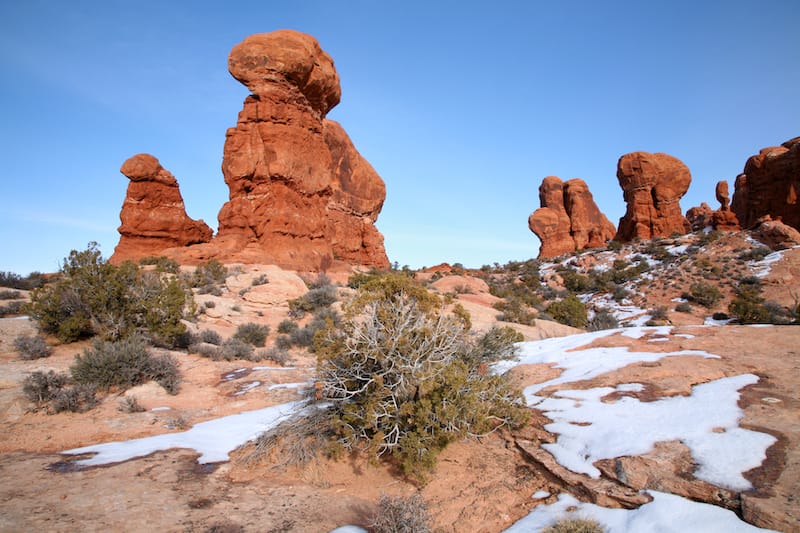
{"points": [[252, 333], [399, 381], [306, 336], [75, 399], [235, 349], [210, 337], [570, 311], [40, 387], [755, 254], [164, 370], [211, 289], [614, 246], [496, 344], [684, 307], [397, 514], [12, 308], [276, 355], [204, 349], [10, 295], [747, 306], [123, 364], [603, 319], [260, 280], [658, 316], [93, 297], [32, 347], [283, 342], [514, 310], [322, 280], [209, 304], [577, 283], [314, 299], [130, 404], [287, 326], [703, 294], [162, 264], [574, 525], [210, 273], [15, 281], [463, 315]]}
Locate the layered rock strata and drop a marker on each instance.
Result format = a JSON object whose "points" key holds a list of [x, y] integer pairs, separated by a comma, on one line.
{"points": [[770, 185], [153, 214], [652, 185], [568, 218]]}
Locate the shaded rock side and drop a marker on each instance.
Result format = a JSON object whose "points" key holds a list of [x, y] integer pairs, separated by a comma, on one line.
{"points": [[153, 214], [568, 218], [652, 185], [301, 196], [770, 185]]}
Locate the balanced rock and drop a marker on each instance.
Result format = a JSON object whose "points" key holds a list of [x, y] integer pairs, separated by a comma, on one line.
{"points": [[770, 185], [568, 218], [301, 196], [153, 215], [653, 185], [722, 219]]}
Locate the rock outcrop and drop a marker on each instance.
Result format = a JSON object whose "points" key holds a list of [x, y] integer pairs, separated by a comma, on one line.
{"points": [[301, 195], [568, 218], [722, 219], [153, 215], [775, 234], [653, 185], [770, 185]]}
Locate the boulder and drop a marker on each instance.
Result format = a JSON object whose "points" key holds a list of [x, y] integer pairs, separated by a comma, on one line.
{"points": [[770, 185], [568, 218], [699, 217], [153, 215], [775, 234], [652, 185]]}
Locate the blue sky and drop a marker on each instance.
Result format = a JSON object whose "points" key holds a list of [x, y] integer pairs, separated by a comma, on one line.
{"points": [[462, 107]]}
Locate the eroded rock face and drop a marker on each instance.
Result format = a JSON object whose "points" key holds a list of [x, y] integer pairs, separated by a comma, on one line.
{"points": [[568, 218], [153, 214], [722, 219], [653, 185], [770, 185], [775, 234], [301, 196]]}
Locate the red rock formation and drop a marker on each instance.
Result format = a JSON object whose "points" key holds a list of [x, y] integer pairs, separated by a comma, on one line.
{"points": [[301, 196], [153, 214], [770, 185], [653, 185], [722, 219], [568, 218], [775, 234]]}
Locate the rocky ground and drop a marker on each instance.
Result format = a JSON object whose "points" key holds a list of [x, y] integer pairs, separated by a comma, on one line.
{"points": [[481, 484]]}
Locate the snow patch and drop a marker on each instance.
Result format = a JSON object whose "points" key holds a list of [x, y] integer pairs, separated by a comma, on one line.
{"points": [[213, 440], [667, 513]]}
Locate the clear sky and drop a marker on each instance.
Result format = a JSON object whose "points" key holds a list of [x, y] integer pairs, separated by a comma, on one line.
{"points": [[461, 106]]}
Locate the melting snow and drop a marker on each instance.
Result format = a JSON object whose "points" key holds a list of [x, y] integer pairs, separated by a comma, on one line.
{"points": [[706, 422], [214, 439], [667, 513]]}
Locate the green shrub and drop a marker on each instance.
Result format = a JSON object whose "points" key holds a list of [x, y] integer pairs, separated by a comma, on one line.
{"points": [[659, 316], [162, 264], [260, 280], [684, 307], [747, 307], [205, 349], [93, 297], [32, 347], [515, 310], [252, 333], [755, 254], [703, 294], [123, 364], [15, 281], [570, 311], [401, 380], [210, 273], [12, 308], [603, 319], [314, 299], [276, 355], [496, 344], [574, 525], [75, 399], [396, 514], [130, 404]]}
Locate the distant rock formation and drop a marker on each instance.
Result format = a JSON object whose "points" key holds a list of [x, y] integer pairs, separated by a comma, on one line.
{"points": [[722, 219], [301, 196], [770, 185], [653, 185], [568, 218], [153, 215]]}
